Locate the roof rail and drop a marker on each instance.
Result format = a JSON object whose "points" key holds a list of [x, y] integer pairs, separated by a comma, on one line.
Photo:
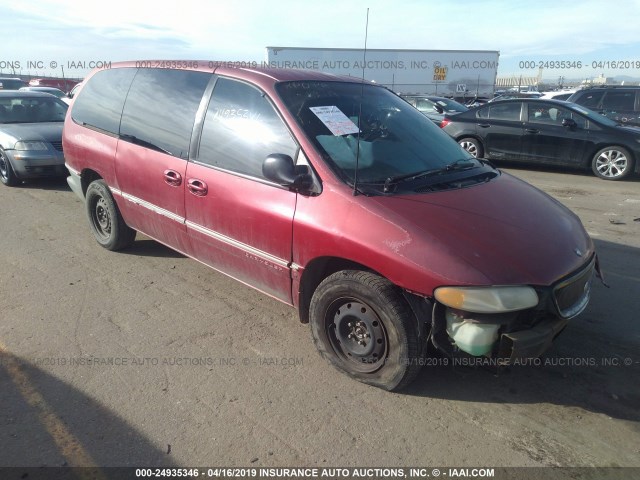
{"points": [[609, 86]]}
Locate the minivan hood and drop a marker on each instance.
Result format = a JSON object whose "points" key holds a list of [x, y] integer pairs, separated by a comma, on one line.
{"points": [[505, 231], [47, 131]]}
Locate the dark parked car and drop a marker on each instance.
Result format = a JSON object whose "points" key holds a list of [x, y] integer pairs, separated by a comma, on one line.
{"points": [[619, 103], [30, 136], [11, 83], [253, 172], [547, 132], [435, 108]]}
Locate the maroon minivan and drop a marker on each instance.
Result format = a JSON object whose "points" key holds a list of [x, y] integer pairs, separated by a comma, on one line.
{"points": [[337, 197]]}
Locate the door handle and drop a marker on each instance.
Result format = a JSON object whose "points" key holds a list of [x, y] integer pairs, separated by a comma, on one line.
{"points": [[173, 178], [484, 125], [531, 130], [197, 187]]}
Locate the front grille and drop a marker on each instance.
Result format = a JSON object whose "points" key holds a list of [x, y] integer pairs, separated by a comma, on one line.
{"points": [[572, 295], [57, 145]]}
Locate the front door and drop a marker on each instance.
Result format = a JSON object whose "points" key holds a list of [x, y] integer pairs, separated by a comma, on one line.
{"points": [[546, 140], [238, 222]]}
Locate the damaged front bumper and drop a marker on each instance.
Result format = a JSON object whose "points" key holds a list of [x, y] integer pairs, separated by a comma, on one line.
{"points": [[511, 336], [530, 343]]}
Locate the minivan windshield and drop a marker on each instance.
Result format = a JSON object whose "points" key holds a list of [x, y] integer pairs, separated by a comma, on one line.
{"points": [[395, 139]]}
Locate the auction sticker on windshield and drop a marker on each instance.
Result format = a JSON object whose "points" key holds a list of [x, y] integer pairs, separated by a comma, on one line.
{"points": [[336, 121]]}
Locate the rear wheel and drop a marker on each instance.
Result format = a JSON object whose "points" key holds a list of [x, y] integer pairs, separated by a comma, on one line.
{"points": [[105, 219], [612, 163], [472, 146], [7, 175], [363, 326]]}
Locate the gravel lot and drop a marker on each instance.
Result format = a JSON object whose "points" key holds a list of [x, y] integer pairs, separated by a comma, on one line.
{"points": [[148, 358]]}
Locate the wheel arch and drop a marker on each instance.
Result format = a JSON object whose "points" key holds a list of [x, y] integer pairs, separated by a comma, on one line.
{"points": [[86, 177], [320, 268], [315, 272]]}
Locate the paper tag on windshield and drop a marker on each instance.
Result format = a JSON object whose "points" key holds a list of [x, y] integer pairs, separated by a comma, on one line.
{"points": [[336, 121]]}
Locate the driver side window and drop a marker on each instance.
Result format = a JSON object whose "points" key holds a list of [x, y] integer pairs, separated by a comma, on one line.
{"points": [[241, 129], [551, 114]]}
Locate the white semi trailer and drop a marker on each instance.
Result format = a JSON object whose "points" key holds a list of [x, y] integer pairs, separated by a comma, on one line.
{"points": [[450, 73]]}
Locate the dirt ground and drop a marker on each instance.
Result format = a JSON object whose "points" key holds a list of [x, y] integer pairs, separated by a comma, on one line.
{"points": [[148, 358]]}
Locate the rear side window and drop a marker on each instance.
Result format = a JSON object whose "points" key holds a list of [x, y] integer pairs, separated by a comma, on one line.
{"points": [[425, 105], [505, 111], [161, 109], [619, 101], [241, 129], [100, 103]]}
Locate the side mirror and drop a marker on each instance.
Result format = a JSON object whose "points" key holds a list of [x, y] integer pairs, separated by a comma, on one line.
{"points": [[280, 169], [569, 123]]}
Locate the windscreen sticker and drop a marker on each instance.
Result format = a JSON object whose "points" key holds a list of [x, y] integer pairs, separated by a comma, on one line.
{"points": [[336, 121]]}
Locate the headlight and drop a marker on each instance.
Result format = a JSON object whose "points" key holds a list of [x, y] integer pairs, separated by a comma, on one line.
{"points": [[30, 145], [487, 299]]}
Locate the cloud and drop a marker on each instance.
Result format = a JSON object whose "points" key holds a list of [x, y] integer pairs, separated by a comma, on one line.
{"points": [[192, 29]]}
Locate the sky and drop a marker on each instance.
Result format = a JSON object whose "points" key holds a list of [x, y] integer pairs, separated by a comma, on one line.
{"points": [[76, 35]]}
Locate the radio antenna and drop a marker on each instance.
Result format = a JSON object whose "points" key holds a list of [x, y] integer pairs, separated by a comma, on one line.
{"points": [[364, 64]]}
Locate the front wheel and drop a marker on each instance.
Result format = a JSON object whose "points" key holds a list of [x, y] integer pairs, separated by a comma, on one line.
{"points": [[105, 219], [363, 326], [472, 146], [7, 175], [612, 163]]}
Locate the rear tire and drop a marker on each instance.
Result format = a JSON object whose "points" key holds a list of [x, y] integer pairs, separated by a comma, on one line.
{"points": [[612, 163], [7, 175], [473, 146], [105, 218], [362, 325]]}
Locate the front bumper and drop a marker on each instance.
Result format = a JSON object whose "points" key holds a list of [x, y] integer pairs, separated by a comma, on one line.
{"points": [[35, 164], [530, 343], [524, 334]]}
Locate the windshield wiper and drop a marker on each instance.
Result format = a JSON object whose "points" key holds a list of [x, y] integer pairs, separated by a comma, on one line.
{"points": [[458, 165]]}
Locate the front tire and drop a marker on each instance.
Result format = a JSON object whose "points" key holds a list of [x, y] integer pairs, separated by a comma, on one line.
{"points": [[7, 175], [612, 163], [105, 218], [362, 325], [472, 146]]}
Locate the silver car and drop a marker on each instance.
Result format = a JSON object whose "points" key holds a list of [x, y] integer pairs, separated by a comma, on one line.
{"points": [[435, 107], [30, 136]]}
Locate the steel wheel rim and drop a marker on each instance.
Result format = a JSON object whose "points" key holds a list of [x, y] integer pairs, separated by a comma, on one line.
{"points": [[356, 334], [101, 218], [611, 163], [470, 147]]}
